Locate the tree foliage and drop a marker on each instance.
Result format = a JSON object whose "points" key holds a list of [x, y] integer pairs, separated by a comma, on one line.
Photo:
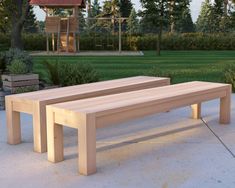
{"points": [[15, 13], [30, 25], [185, 24], [216, 17], [155, 15], [125, 8], [133, 23], [177, 11], [95, 8], [205, 22]]}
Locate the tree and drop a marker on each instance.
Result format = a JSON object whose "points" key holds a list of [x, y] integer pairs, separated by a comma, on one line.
{"points": [[95, 8], [218, 13], [225, 24], [180, 16], [94, 12], [4, 21], [216, 17], [206, 19], [110, 9], [125, 8], [30, 25], [133, 23], [16, 12], [218, 7], [185, 24], [155, 14], [82, 21], [88, 8], [177, 8], [226, 7], [41, 26]]}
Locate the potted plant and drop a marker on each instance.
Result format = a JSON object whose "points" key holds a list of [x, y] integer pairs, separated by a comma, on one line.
{"points": [[18, 77]]}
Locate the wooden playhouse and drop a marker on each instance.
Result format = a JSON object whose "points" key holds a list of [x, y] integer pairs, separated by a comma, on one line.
{"points": [[64, 30]]}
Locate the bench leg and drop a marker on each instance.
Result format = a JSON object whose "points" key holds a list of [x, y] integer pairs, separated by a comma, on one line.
{"points": [[196, 111], [39, 128], [13, 124], [87, 145], [225, 108], [55, 142]]}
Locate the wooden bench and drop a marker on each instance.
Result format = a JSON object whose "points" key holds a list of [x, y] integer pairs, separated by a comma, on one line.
{"points": [[88, 114], [35, 103]]}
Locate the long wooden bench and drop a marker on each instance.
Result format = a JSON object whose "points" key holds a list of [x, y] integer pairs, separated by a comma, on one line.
{"points": [[89, 114], [35, 103]]}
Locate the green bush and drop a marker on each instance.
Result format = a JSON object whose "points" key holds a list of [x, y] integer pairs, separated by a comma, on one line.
{"points": [[229, 75], [25, 89], [78, 73], [17, 67], [155, 71], [52, 69], [16, 54], [68, 74]]}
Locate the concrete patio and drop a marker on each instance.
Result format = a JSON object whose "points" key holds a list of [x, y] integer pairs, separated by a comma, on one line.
{"points": [[167, 150]]}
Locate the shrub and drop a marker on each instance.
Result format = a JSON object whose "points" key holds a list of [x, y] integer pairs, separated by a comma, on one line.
{"points": [[67, 74], [155, 71], [52, 71], [22, 56], [25, 89], [17, 67], [79, 73], [229, 75]]}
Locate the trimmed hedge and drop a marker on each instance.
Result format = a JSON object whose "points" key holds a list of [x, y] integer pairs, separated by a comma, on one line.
{"points": [[185, 41]]}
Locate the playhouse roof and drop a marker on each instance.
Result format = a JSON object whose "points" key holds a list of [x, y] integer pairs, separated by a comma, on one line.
{"points": [[58, 3]]}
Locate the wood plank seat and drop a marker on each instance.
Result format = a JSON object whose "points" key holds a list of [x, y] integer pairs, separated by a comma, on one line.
{"points": [[35, 103], [89, 114]]}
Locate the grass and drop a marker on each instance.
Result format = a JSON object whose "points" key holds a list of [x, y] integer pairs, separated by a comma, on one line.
{"points": [[182, 65]]}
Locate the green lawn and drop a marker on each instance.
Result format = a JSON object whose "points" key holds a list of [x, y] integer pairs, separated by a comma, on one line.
{"points": [[182, 65]]}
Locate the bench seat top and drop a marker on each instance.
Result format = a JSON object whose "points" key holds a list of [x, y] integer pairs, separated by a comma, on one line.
{"points": [[70, 91], [159, 95]]}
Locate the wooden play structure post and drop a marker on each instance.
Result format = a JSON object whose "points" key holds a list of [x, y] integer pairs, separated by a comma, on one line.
{"points": [[76, 11], [64, 28]]}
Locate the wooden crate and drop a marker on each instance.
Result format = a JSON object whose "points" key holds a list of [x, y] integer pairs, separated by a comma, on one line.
{"points": [[14, 83]]}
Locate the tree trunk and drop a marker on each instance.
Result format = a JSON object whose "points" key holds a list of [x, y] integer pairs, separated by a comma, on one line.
{"points": [[172, 19], [89, 8], [18, 19], [159, 41], [225, 7], [173, 27], [16, 39]]}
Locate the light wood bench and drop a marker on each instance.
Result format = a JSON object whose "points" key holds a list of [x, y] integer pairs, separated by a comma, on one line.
{"points": [[35, 103], [89, 114]]}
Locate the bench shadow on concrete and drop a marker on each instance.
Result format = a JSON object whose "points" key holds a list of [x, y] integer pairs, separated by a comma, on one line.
{"points": [[137, 140]]}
